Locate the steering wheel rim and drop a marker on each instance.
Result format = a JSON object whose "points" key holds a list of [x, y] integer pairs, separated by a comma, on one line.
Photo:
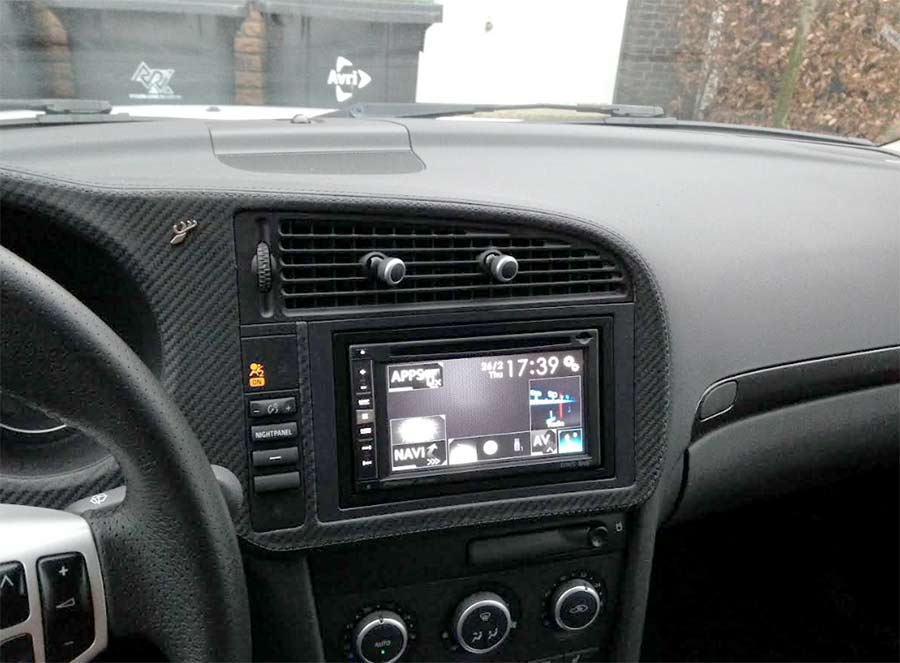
{"points": [[169, 553]]}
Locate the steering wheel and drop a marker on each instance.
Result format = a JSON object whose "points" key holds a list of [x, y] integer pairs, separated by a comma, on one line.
{"points": [[167, 559]]}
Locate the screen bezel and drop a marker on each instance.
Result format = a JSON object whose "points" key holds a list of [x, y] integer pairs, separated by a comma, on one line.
{"points": [[599, 397]]}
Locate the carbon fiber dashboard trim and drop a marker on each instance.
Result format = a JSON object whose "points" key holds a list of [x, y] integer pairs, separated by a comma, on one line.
{"points": [[192, 286]]}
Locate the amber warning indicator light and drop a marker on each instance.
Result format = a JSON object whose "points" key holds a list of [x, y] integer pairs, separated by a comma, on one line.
{"points": [[257, 375]]}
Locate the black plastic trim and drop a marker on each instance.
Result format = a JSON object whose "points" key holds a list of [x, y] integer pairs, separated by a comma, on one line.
{"points": [[787, 384]]}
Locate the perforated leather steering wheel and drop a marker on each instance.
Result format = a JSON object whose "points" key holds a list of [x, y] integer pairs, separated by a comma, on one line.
{"points": [[168, 555]]}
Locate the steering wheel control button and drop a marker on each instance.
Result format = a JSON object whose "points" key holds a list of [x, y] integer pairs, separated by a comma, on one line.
{"points": [[718, 400], [482, 622], [13, 594], [274, 432], [66, 605], [271, 482], [17, 650], [273, 407], [276, 457], [576, 605], [380, 637]]}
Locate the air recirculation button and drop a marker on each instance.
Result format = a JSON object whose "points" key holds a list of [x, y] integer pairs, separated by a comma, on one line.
{"points": [[576, 604]]}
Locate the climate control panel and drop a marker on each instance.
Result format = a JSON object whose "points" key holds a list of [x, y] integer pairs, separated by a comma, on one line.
{"points": [[552, 599]]}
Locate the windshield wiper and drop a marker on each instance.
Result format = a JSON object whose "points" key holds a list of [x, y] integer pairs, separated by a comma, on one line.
{"points": [[435, 110], [616, 115], [775, 132], [58, 106], [62, 111]]}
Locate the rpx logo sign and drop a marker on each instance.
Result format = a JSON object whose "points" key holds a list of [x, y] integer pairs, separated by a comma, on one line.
{"points": [[347, 80], [155, 82]]}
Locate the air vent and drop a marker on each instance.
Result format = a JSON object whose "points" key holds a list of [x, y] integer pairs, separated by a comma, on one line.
{"points": [[319, 262]]}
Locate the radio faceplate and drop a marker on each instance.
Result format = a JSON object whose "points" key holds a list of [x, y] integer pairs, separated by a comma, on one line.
{"points": [[451, 409], [599, 338]]}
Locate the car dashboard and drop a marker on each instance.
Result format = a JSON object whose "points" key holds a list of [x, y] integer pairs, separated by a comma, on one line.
{"points": [[464, 370]]}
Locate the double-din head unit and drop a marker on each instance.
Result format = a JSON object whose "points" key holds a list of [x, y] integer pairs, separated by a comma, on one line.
{"points": [[439, 410]]}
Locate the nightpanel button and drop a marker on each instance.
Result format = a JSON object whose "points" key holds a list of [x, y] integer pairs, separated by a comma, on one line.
{"points": [[273, 482], [13, 594], [274, 432], [275, 457], [66, 604]]}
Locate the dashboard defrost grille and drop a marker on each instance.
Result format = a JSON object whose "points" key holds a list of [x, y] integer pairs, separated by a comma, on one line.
{"points": [[319, 262]]}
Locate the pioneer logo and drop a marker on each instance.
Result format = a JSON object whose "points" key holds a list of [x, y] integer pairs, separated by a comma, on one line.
{"points": [[416, 376]]}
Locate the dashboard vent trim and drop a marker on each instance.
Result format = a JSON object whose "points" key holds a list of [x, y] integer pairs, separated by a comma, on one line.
{"points": [[319, 262]]}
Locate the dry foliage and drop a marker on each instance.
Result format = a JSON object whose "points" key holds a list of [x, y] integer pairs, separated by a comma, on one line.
{"points": [[734, 58]]}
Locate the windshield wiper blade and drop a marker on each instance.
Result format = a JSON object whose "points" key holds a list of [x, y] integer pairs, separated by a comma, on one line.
{"points": [[59, 106], [435, 110], [775, 132]]}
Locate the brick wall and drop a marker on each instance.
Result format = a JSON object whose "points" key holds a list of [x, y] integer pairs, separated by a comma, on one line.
{"points": [[646, 72], [250, 60]]}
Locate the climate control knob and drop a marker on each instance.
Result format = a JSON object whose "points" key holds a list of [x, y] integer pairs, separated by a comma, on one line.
{"points": [[575, 605], [380, 637], [481, 622]]}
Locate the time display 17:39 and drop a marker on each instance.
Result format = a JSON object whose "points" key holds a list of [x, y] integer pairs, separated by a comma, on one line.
{"points": [[536, 365]]}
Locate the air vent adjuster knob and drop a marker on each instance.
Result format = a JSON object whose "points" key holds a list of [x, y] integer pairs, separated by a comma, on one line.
{"points": [[390, 271], [501, 267], [262, 266]]}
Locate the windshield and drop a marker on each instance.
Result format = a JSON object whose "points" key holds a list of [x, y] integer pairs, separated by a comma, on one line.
{"points": [[827, 66]]}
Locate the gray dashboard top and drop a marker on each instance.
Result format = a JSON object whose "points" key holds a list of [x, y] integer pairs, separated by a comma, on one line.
{"points": [[766, 250]]}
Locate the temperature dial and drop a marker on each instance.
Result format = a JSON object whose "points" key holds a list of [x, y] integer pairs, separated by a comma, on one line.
{"points": [[380, 637], [481, 622], [575, 605]]}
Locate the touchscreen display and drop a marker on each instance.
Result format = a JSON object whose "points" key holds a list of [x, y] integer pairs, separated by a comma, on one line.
{"points": [[468, 412]]}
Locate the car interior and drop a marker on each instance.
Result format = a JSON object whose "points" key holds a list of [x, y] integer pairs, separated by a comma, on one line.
{"points": [[403, 382]]}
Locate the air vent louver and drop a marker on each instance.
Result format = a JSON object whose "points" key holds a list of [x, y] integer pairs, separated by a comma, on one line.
{"points": [[319, 262]]}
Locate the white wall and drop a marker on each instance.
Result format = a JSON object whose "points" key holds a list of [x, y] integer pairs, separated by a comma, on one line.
{"points": [[551, 51]]}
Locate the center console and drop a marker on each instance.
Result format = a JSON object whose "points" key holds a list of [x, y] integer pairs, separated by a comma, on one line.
{"points": [[443, 417]]}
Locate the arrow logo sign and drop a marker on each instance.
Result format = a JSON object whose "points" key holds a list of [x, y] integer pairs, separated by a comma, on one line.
{"points": [[343, 76], [6, 581]]}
